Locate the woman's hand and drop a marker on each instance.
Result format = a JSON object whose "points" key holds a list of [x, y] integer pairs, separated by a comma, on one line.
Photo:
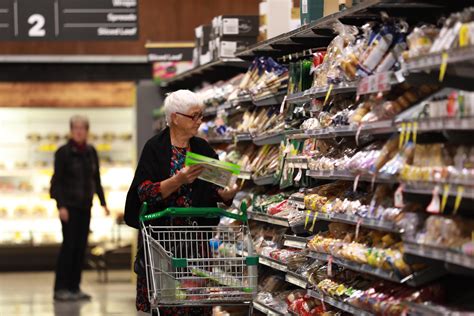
{"points": [[228, 194], [187, 175], [64, 214]]}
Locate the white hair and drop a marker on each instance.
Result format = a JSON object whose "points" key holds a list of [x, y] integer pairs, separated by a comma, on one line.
{"points": [[79, 119], [180, 101]]}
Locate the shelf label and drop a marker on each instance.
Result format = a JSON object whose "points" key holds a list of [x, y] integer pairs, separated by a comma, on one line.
{"points": [[457, 202], [415, 131], [464, 35], [408, 133], [443, 66], [330, 266], [446, 188], [358, 228], [356, 182], [328, 94], [376, 83], [315, 216], [401, 137], [282, 106], [308, 214]]}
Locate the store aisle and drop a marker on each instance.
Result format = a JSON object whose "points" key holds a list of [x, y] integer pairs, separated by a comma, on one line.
{"points": [[31, 294]]}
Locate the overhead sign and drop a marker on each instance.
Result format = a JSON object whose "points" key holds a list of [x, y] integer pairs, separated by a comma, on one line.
{"points": [[170, 51], [68, 20]]}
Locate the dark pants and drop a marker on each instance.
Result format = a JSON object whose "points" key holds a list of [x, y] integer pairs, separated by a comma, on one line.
{"points": [[71, 255]]}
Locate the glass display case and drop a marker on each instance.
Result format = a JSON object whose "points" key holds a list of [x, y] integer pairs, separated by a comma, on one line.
{"points": [[29, 138]]}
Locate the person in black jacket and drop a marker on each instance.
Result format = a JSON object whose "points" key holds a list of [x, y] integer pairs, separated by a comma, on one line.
{"points": [[162, 180], [75, 180]]}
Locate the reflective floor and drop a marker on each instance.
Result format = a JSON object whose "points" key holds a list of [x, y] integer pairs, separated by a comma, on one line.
{"points": [[31, 294]]}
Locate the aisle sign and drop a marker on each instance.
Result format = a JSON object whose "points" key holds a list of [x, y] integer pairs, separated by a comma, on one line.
{"points": [[68, 20]]}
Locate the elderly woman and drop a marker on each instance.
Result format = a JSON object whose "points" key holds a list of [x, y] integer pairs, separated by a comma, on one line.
{"points": [[162, 180]]}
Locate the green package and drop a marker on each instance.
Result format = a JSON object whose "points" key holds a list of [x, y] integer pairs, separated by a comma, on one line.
{"points": [[215, 171]]}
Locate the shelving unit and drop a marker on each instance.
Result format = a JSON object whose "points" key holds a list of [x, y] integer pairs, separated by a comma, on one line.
{"points": [[339, 304], [416, 72]]}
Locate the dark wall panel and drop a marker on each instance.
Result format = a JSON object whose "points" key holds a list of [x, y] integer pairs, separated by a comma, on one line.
{"points": [[160, 20]]}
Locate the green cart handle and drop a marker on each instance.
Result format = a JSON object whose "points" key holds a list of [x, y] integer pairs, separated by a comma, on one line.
{"points": [[206, 212]]}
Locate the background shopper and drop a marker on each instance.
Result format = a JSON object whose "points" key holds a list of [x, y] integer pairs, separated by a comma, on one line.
{"points": [[75, 181], [162, 180]]}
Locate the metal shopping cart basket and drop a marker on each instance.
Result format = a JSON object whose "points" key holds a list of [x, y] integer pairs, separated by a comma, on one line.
{"points": [[199, 265]]}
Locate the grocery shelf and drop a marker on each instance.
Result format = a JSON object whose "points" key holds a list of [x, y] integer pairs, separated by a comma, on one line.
{"points": [[220, 69], [432, 309], [220, 140], [442, 124], [295, 242], [319, 33], [298, 162], [415, 279], [269, 100], [269, 139], [241, 99], [434, 60], [274, 264], [261, 217], [298, 201], [438, 253], [265, 180], [296, 279], [372, 223], [319, 92], [339, 304], [380, 127], [426, 188], [243, 137], [347, 175], [267, 310], [229, 139], [210, 111]]}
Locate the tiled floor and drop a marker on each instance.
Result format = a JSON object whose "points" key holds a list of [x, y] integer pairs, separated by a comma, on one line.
{"points": [[31, 294]]}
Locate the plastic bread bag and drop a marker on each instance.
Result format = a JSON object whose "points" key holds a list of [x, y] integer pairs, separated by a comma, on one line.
{"points": [[376, 50], [353, 52], [346, 37], [394, 57], [420, 41]]}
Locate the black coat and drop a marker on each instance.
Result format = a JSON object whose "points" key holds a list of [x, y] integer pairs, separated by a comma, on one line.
{"points": [[76, 177], [155, 164]]}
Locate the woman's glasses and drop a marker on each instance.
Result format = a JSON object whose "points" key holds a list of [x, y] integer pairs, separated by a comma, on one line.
{"points": [[195, 117]]}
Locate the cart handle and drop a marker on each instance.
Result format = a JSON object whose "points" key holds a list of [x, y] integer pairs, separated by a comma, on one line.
{"points": [[208, 212]]}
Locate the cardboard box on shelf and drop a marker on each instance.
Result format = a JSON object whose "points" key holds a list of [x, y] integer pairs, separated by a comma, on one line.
{"points": [[236, 25], [228, 46]]}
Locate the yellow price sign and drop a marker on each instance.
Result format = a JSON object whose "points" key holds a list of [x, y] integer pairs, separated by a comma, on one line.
{"points": [[415, 131], [328, 94], [446, 188], [308, 214], [402, 135], [315, 216], [408, 133], [444, 66], [457, 202], [104, 147], [464, 35]]}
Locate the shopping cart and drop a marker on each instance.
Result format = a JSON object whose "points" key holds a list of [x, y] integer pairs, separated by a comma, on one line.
{"points": [[199, 265]]}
